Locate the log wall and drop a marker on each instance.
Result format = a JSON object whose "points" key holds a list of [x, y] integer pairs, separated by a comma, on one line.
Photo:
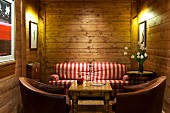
{"points": [[10, 100], [157, 15], [87, 32]]}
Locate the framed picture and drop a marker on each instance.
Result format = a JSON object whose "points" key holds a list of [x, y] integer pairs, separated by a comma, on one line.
{"points": [[7, 31], [33, 33], [142, 33]]}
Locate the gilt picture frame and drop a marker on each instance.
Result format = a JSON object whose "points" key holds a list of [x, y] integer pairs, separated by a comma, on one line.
{"points": [[33, 33], [142, 33], [7, 30]]}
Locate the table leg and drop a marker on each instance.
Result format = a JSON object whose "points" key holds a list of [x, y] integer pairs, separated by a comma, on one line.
{"points": [[132, 80], [74, 102], [106, 102]]}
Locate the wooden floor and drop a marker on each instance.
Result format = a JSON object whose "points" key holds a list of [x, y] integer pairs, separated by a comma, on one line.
{"points": [[92, 106]]}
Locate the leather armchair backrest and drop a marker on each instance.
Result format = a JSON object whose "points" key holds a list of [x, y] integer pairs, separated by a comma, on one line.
{"points": [[38, 101], [146, 100]]}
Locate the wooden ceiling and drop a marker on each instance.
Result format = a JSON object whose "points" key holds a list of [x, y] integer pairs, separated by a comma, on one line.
{"points": [[88, 1]]}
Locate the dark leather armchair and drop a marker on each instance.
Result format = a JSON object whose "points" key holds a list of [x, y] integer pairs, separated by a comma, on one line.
{"points": [[142, 98], [42, 98]]}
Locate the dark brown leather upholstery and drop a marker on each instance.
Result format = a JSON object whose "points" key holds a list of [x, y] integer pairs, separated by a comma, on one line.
{"points": [[42, 98], [144, 98]]}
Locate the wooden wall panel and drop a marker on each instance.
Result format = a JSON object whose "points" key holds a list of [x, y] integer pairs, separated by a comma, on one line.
{"points": [[10, 98], [87, 4], [31, 14], [86, 31], [158, 41], [10, 95]]}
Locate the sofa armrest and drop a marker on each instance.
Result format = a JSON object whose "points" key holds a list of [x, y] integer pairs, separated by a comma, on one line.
{"points": [[54, 77], [125, 77]]}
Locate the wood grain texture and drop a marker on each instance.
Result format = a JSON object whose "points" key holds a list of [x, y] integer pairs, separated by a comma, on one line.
{"points": [[85, 31], [10, 94], [41, 43], [7, 69], [158, 41], [82, 1], [10, 99], [30, 8]]}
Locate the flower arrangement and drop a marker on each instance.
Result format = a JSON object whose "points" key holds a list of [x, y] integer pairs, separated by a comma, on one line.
{"points": [[140, 56]]}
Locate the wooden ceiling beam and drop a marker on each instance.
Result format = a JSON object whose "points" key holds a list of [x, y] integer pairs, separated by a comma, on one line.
{"points": [[82, 1]]}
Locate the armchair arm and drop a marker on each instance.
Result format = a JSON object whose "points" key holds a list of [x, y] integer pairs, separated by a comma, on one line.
{"points": [[51, 88], [137, 87], [48, 88]]}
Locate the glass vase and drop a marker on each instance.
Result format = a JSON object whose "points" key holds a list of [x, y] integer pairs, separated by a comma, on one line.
{"points": [[140, 66]]}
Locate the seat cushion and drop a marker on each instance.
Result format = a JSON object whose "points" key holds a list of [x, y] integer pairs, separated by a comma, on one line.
{"points": [[71, 71], [108, 71]]}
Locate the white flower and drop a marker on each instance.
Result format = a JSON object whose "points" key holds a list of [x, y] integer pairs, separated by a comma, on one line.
{"points": [[142, 48], [138, 53], [139, 43], [138, 56], [141, 56], [132, 56], [126, 48], [145, 55], [125, 53], [142, 45]]}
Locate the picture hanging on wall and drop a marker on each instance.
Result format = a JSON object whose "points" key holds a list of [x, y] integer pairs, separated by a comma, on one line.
{"points": [[33, 33], [142, 33], [6, 30]]}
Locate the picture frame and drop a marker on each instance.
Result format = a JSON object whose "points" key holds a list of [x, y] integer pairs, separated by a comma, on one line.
{"points": [[7, 30], [33, 34], [142, 33]]}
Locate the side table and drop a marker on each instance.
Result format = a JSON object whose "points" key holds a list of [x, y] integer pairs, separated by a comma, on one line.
{"points": [[140, 76], [33, 70]]}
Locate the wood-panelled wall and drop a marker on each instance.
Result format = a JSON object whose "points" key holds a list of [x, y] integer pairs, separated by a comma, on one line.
{"points": [[87, 32], [31, 12], [157, 15], [10, 99]]}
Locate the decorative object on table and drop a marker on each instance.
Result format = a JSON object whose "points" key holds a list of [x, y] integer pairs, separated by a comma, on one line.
{"points": [[140, 56], [33, 32], [80, 80], [98, 84]]}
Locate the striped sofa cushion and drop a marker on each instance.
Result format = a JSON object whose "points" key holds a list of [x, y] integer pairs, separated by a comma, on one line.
{"points": [[71, 71], [108, 71]]}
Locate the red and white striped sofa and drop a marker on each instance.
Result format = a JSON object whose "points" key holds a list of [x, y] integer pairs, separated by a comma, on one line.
{"points": [[66, 73]]}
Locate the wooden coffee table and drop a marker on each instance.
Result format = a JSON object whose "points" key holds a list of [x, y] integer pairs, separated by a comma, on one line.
{"points": [[89, 89]]}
